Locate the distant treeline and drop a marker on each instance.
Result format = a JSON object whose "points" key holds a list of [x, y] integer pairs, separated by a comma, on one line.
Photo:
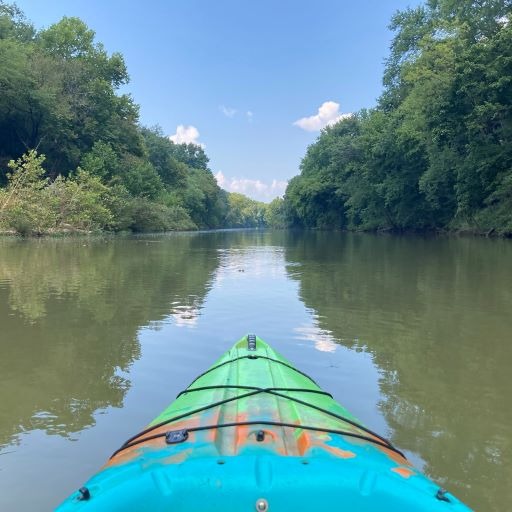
{"points": [[73, 156], [436, 152]]}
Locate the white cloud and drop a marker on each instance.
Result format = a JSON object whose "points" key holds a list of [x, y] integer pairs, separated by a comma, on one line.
{"points": [[328, 114], [322, 339], [221, 179], [228, 111], [186, 135], [232, 112], [255, 189]]}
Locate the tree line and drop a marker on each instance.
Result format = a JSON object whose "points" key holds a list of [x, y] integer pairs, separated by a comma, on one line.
{"points": [[436, 151], [73, 156]]}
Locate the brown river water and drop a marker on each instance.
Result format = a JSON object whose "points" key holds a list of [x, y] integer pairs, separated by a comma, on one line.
{"points": [[413, 335]]}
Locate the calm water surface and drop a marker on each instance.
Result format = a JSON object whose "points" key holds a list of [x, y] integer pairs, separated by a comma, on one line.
{"points": [[413, 335]]}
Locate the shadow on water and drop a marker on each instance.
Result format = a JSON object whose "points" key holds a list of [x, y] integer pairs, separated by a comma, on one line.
{"points": [[435, 314], [70, 311]]}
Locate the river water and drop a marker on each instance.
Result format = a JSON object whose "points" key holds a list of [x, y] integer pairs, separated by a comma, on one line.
{"points": [[413, 335]]}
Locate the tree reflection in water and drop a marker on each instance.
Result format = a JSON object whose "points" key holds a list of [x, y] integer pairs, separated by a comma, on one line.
{"points": [[70, 311], [435, 314]]}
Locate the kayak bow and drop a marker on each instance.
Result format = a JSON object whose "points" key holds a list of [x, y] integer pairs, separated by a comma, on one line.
{"points": [[253, 432]]}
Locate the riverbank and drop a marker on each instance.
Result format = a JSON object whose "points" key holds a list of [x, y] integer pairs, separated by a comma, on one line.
{"points": [[427, 233], [34, 205], [467, 231], [76, 232]]}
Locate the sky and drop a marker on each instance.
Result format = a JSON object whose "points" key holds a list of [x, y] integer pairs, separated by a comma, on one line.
{"points": [[253, 81]]}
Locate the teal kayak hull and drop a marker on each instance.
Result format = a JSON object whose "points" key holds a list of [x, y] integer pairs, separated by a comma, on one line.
{"points": [[255, 433]]}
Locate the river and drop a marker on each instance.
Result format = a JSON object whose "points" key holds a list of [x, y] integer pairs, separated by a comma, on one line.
{"points": [[413, 335]]}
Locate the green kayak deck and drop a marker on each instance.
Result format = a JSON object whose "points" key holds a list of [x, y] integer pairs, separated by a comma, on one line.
{"points": [[255, 433]]}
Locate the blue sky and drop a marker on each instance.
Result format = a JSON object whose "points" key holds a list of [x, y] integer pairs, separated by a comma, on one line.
{"points": [[246, 78]]}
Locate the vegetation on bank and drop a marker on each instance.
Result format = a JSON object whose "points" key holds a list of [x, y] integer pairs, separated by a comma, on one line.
{"points": [[436, 153], [73, 156]]}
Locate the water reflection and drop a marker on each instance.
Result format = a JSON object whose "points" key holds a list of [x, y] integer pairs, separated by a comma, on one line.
{"points": [[435, 316], [322, 339], [410, 334], [70, 312], [185, 315]]}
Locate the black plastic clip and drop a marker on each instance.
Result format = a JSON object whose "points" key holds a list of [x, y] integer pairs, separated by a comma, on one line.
{"points": [[84, 494], [441, 495], [176, 436]]}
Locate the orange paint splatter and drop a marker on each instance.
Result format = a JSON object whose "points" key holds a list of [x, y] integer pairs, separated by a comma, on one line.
{"points": [[303, 442], [338, 452], [394, 455], [403, 472]]}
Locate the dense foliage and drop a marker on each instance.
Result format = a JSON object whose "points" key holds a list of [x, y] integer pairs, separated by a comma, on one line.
{"points": [[245, 212], [72, 154], [436, 153]]}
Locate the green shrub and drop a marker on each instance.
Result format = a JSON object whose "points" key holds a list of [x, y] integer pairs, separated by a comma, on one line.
{"points": [[24, 208], [148, 216]]}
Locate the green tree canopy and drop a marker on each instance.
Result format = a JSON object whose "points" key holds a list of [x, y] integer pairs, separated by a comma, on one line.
{"points": [[437, 150]]}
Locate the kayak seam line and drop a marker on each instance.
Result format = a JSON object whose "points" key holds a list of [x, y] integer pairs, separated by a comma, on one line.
{"points": [[184, 415], [252, 357], [289, 405]]}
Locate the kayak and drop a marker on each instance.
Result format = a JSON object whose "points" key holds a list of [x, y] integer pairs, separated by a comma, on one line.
{"points": [[255, 433]]}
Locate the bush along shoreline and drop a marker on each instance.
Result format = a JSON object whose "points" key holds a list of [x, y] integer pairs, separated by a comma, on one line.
{"points": [[73, 156], [33, 205]]}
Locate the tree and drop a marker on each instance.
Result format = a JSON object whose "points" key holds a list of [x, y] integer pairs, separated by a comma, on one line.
{"points": [[161, 153], [59, 94], [275, 214], [437, 150], [244, 212]]}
